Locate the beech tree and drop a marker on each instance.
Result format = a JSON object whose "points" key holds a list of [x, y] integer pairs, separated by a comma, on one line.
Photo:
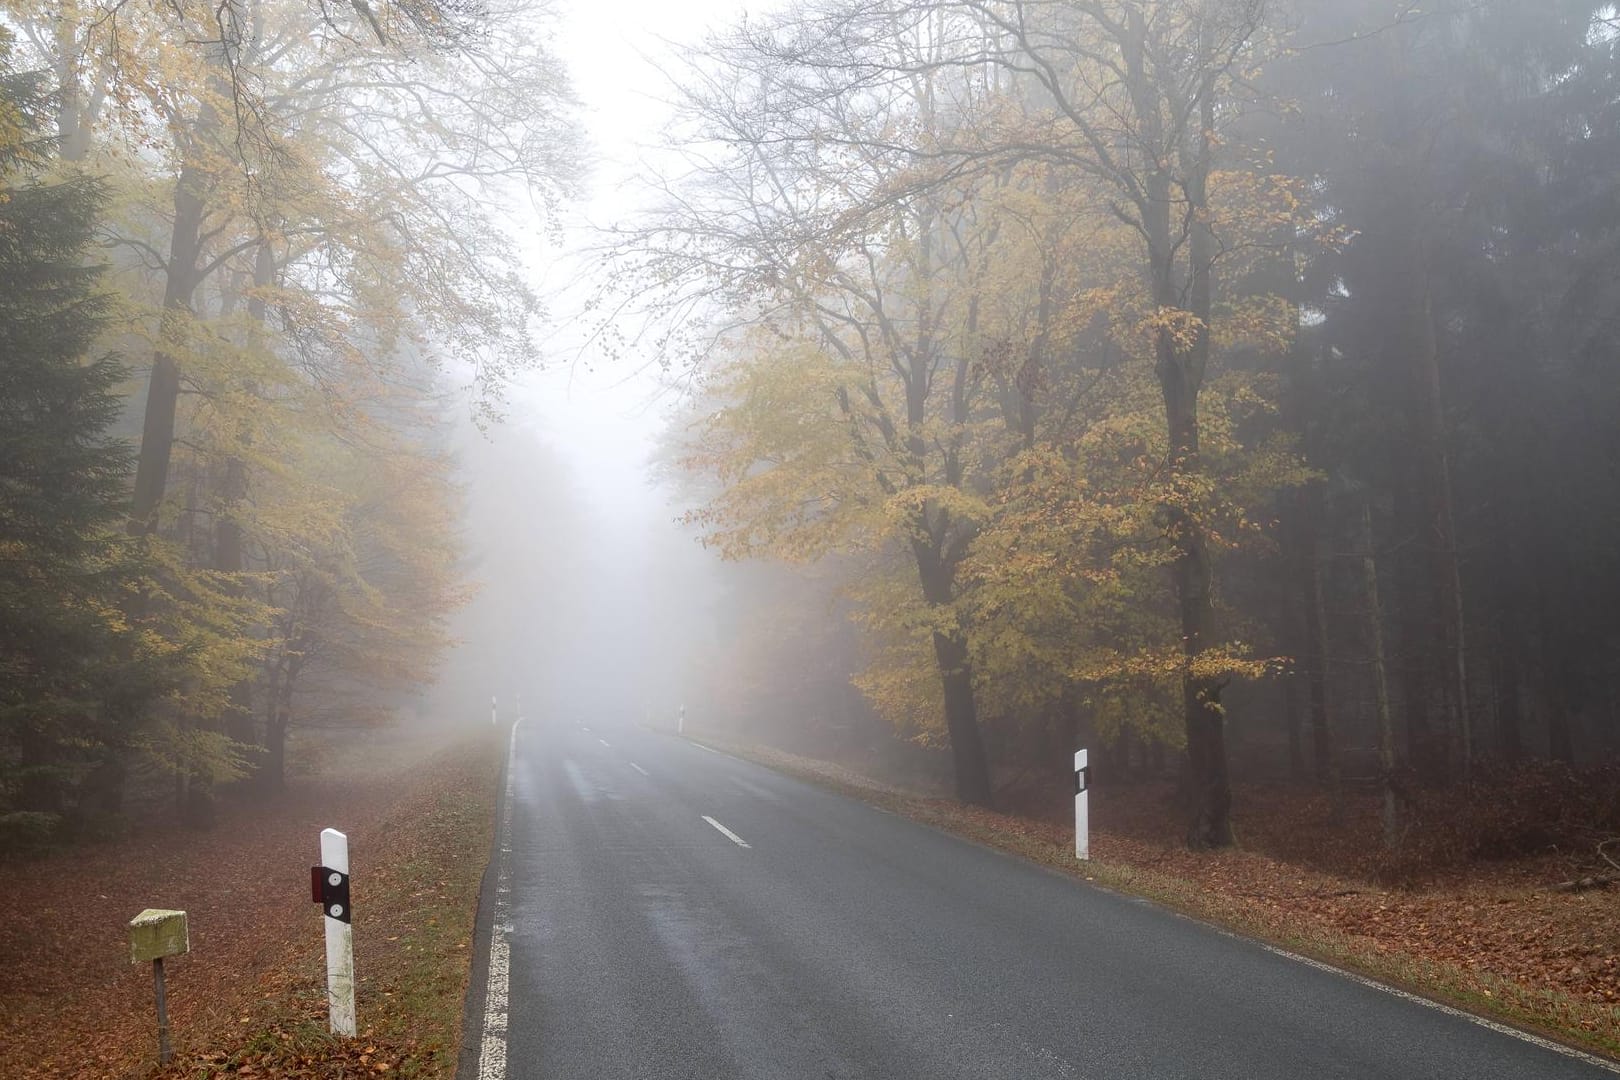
{"points": [[1119, 107]]}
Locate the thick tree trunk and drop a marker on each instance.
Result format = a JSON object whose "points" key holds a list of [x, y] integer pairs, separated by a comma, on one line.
{"points": [[163, 389], [228, 552], [74, 117], [968, 758], [971, 766]]}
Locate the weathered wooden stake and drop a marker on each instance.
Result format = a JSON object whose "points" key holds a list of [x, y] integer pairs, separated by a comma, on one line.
{"points": [[165, 1051], [154, 934]]}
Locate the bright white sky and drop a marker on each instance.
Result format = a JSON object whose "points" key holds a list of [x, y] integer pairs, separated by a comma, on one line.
{"points": [[602, 416]]}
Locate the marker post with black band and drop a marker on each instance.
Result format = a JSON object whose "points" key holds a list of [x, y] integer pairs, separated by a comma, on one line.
{"points": [[1082, 806], [329, 887]]}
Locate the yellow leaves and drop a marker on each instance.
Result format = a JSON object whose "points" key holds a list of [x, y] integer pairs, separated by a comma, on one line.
{"points": [[1183, 328], [917, 505]]}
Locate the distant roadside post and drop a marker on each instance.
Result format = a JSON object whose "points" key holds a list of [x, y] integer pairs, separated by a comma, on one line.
{"points": [[154, 934], [1082, 807], [329, 887], [680, 721], [493, 712]]}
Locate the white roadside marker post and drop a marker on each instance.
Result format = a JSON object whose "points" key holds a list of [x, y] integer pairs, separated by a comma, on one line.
{"points": [[493, 722], [1082, 807], [154, 934], [329, 887], [680, 721]]}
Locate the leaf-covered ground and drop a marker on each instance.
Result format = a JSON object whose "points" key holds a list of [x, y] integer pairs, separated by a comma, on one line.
{"points": [[1491, 935], [249, 998]]}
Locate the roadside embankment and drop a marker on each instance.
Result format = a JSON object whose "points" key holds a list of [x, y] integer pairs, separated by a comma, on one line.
{"points": [[249, 1000]]}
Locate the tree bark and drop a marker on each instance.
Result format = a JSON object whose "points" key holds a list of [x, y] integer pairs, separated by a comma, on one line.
{"points": [[275, 745], [1181, 376], [1386, 721], [1509, 697], [163, 389], [228, 552], [968, 759], [1325, 754], [1296, 733]]}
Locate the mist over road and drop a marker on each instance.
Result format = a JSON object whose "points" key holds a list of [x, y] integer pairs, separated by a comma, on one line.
{"points": [[677, 913]]}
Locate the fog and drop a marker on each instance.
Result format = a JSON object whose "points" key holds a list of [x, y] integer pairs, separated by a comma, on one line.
{"points": [[641, 618], [937, 388]]}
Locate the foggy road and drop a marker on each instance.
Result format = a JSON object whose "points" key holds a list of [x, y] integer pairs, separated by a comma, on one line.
{"points": [[677, 913]]}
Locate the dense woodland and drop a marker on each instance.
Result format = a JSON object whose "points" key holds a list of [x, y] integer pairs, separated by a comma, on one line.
{"points": [[1221, 384], [248, 251], [1224, 385]]}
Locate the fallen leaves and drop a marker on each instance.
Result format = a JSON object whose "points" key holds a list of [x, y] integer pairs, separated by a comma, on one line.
{"points": [[248, 1000]]}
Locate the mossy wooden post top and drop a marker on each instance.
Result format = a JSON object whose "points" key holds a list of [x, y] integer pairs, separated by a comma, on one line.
{"points": [[156, 933]]}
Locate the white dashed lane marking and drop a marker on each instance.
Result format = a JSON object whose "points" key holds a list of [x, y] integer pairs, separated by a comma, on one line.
{"points": [[727, 833]]}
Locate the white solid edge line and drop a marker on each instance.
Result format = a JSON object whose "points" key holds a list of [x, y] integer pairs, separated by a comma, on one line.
{"points": [[705, 749], [1501, 1029], [492, 1047], [729, 835], [639, 769]]}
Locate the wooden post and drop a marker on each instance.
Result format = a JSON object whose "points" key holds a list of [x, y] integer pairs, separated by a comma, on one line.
{"points": [[165, 1051], [154, 934]]}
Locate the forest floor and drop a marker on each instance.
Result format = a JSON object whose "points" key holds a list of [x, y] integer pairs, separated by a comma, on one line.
{"points": [[1494, 937], [249, 1000]]}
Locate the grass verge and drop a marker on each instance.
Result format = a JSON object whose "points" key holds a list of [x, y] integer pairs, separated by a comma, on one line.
{"points": [[417, 870]]}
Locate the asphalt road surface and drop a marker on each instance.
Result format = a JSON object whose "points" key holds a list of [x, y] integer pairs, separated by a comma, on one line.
{"points": [[676, 913]]}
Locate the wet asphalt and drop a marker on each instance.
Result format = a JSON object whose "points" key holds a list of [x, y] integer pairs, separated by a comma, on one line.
{"points": [[846, 942]]}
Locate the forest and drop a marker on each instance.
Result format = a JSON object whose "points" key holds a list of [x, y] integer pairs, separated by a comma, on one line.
{"points": [[253, 266], [1227, 386]]}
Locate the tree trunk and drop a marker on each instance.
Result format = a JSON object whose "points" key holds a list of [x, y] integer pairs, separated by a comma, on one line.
{"points": [[163, 389], [972, 767], [1386, 720], [1181, 377], [73, 113], [1296, 732], [1414, 598], [1325, 755], [1509, 698], [968, 758], [1440, 532], [275, 745], [228, 554]]}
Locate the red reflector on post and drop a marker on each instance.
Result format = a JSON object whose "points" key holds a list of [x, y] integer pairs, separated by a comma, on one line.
{"points": [[315, 874]]}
